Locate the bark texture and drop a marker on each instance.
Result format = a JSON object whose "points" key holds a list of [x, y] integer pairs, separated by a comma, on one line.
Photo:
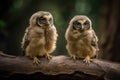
{"points": [[58, 68]]}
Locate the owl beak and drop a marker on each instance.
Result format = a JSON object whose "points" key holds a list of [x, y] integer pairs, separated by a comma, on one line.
{"points": [[82, 27], [47, 23]]}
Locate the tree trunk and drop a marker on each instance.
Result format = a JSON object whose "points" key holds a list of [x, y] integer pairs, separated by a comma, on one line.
{"points": [[110, 30], [58, 68]]}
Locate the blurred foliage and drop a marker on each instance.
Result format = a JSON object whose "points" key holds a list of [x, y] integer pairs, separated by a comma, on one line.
{"points": [[2, 24], [15, 16]]}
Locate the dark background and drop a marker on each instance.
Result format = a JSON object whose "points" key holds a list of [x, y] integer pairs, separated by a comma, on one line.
{"points": [[15, 14]]}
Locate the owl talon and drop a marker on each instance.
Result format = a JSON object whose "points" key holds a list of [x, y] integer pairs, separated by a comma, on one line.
{"points": [[48, 56], [36, 60], [73, 57], [87, 60]]}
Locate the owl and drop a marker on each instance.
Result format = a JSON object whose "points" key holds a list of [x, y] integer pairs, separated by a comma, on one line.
{"points": [[40, 37], [82, 41]]}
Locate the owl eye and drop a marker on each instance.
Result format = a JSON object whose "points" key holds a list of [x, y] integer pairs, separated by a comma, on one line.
{"points": [[76, 24], [86, 24], [42, 19]]}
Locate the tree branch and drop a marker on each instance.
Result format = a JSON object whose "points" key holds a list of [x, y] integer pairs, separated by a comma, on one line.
{"points": [[59, 67]]}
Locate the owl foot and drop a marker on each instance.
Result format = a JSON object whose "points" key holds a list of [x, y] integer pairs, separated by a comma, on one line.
{"points": [[48, 56], [87, 60], [73, 57], [36, 60]]}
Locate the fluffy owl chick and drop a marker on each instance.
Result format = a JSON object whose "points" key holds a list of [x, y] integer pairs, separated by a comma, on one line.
{"points": [[81, 38], [40, 37]]}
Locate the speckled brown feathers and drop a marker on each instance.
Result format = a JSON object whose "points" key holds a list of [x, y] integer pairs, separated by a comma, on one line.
{"points": [[81, 38], [40, 37]]}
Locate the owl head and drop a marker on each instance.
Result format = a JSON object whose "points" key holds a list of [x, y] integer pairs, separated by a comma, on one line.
{"points": [[80, 23], [41, 19]]}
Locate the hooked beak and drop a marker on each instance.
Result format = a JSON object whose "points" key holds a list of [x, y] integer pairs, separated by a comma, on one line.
{"points": [[47, 23], [82, 27]]}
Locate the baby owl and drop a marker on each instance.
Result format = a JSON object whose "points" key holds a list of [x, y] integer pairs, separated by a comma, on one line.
{"points": [[40, 37], [82, 41]]}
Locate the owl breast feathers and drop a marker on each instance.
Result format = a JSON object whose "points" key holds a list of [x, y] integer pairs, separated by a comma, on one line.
{"points": [[40, 37], [81, 38]]}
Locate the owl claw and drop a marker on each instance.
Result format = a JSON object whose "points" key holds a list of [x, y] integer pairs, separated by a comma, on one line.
{"points": [[73, 57], [48, 56], [36, 60], [87, 60]]}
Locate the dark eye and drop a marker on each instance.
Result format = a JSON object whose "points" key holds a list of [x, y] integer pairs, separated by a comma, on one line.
{"points": [[42, 19], [86, 24], [76, 25]]}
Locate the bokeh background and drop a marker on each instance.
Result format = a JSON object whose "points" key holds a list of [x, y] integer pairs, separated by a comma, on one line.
{"points": [[15, 14]]}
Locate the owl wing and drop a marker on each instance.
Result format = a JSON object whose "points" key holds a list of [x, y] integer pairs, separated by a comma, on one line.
{"points": [[25, 41], [94, 41]]}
